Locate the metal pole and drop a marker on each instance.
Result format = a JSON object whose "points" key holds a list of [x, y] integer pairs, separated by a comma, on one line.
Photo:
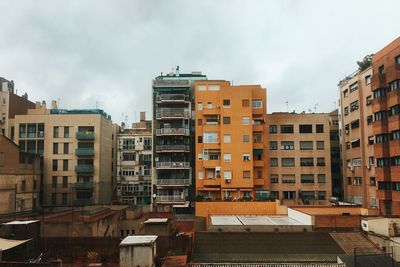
{"points": [[355, 257]]}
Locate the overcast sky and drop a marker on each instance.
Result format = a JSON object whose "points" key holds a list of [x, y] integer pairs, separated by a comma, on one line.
{"points": [[83, 52]]}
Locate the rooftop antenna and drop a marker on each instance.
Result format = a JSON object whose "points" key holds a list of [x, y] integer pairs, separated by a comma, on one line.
{"points": [[315, 107], [287, 106]]}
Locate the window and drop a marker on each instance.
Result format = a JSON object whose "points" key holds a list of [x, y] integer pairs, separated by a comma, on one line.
{"points": [[320, 162], [306, 145], [273, 145], [394, 110], [320, 145], [66, 132], [349, 180], [288, 179], [395, 161], [227, 175], [199, 106], [286, 128], [245, 120], [355, 124], [56, 131], [200, 156], [381, 69], [346, 111], [289, 194], [227, 120], [305, 128], [65, 165], [357, 181], [199, 139], [53, 199], [23, 185], [357, 162], [367, 79], [128, 156], [395, 135], [55, 165], [394, 85], [227, 138], [245, 103], [55, 148], [287, 162], [226, 103], [227, 157], [381, 138], [381, 92], [273, 162], [246, 138], [246, 157], [354, 106], [66, 148], [65, 181], [199, 121], [259, 174], [372, 181], [321, 195], [371, 161], [213, 87], [210, 138], [201, 87], [273, 129], [274, 194], [257, 138], [355, 143], [246, 174], [345, 92], [273, 179], [369, 119], [348, 145], [353, 87], [380, 115], [319, 128], [257, 103], [54, 182], [307, 178], [368, 100], [306, 162], [200, 175], [321, 178], [397, 59], [371, 140], [287, 145]]}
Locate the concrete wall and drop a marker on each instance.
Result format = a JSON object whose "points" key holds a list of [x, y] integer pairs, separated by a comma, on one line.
{"points": [[300, 216], [137, 256], [259, 228]]}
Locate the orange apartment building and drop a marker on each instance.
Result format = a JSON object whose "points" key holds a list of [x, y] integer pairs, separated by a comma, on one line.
{"points": [[300, 157], [385, 85], [231, 140], [357, 139]]}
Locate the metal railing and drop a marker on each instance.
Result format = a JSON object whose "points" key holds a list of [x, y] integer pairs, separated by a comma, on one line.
{"points": [[172, 165], [172, 148], [173, 182], [168, 198], [172, 131], [172, 97], [84, 135], [84, 152], [172, 113], [84, 186]]}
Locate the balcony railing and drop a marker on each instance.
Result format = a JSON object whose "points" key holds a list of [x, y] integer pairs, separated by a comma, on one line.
{"points": [[172, 98], [83, 202], [84, 152], [172, 131], [85, 135], [172, 165], [173, 182], [84, 186], [172, 148], [172, 113], [170, 198], [83, 168]]}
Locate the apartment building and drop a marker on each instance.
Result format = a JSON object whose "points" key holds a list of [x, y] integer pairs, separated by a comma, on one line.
{"points": [[336, 163], [299, 158], [78, 151], [19, 178], [134, 163], [173, 131], [230, 141], [357, 139], [385, 85], [11, 104]]}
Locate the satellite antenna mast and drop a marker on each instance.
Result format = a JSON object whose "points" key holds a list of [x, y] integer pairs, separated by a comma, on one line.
{"points": [[287, 106], [315, 107]]}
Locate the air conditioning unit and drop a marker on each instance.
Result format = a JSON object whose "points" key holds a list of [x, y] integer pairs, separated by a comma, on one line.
{"points": [[368, 166], [347, 131], [352, 168], [228, 181]]}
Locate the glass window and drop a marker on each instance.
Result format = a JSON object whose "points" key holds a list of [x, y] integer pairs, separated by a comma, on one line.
{"points": [[66, 132], [226, 103], [321, 161], [65, 165], [245, 120], [306, 145], [320, 145], [319, 128], [199, 106], [257, 103], [210, 138], [246, 174], [305, 128], [227, 175], [246, 157], [273, 145], [55, 165], [306, 162], [273, 162], [55, 148], [65, 182], [227, 120], [274, 179], [227, 138], [287, 162], [288, 179], [246, 138], [245, 103], [54, 181], [307, 178], [273, 129], [289, 194], [286, 128], [227, 157], [56, 131], [66, 148]]}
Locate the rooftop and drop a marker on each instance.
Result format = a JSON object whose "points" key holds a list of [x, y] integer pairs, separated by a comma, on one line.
{"points": [[253, 220], [156, 221], [80, 112], [138, 240]]}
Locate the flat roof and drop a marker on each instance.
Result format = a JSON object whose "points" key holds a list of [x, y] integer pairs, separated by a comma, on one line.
{"points": [[253, 220], [20, 222], [138, 240], [156, 220], [6, 244]]}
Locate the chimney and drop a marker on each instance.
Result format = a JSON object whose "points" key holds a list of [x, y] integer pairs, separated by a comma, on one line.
{"points": [[142, 116], [177, 71], [38, 105], [53, 104], [43, 104]]}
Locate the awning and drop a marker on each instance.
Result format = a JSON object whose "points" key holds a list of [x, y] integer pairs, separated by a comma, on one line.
{"points": [[208, 189], [186, 205], [233, 190], [9, 243], [246, 190], [258, 151], [21, 222]]}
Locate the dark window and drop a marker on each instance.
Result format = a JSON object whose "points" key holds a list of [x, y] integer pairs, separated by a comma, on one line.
{"points": [[66, 148], [55, 148], [199, 121], [64, 199], [65, 165], [355, 124], [305, 128], [381, 69], [273, 145], [245, 103], [227, 120], [66, 131], [54, 181], [286, 128], [55, 164], [65, 181], [226, 103], [56, 132], [397, 59], [199, 139], [306, 162], [319, 128], [273, 129]]}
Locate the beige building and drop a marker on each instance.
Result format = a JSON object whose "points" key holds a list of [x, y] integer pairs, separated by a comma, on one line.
{"points": [[78, 149], [19, 178], [299, 158], [357, 139], [134, 163]]}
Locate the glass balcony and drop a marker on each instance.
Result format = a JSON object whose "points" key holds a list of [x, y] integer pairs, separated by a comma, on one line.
{"points": [[84, 152], [85, 135], [84, 168], [172, 165], [172, 148]]}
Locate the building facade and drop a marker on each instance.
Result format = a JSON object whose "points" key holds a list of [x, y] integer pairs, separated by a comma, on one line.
{"points": [[385, 85], [19, 179], [134, 163], [357, 139], [173, 142], [336, 163], [299, 158], [78, 150], [231, 135]]}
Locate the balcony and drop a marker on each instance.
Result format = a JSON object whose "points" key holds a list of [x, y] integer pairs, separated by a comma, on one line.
{"points": [[380, 127], [173, 182], [212, 182], [172, 131], [211, 163], [172, 98], [381, 150], [85, 135], [258, 163], [173, 165], [378, 81], [84, 152], [258, 182], [87, 186], [211, 110], [83, 202], [172, 148], [394, 122], [172, 113], [83, 168], [170, 198], [379, 104]]}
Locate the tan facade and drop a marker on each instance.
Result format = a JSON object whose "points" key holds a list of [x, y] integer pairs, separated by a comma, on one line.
{"points": [[19, 178], [299, 158], [357, 138], [78, 149], [231, 139]]}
